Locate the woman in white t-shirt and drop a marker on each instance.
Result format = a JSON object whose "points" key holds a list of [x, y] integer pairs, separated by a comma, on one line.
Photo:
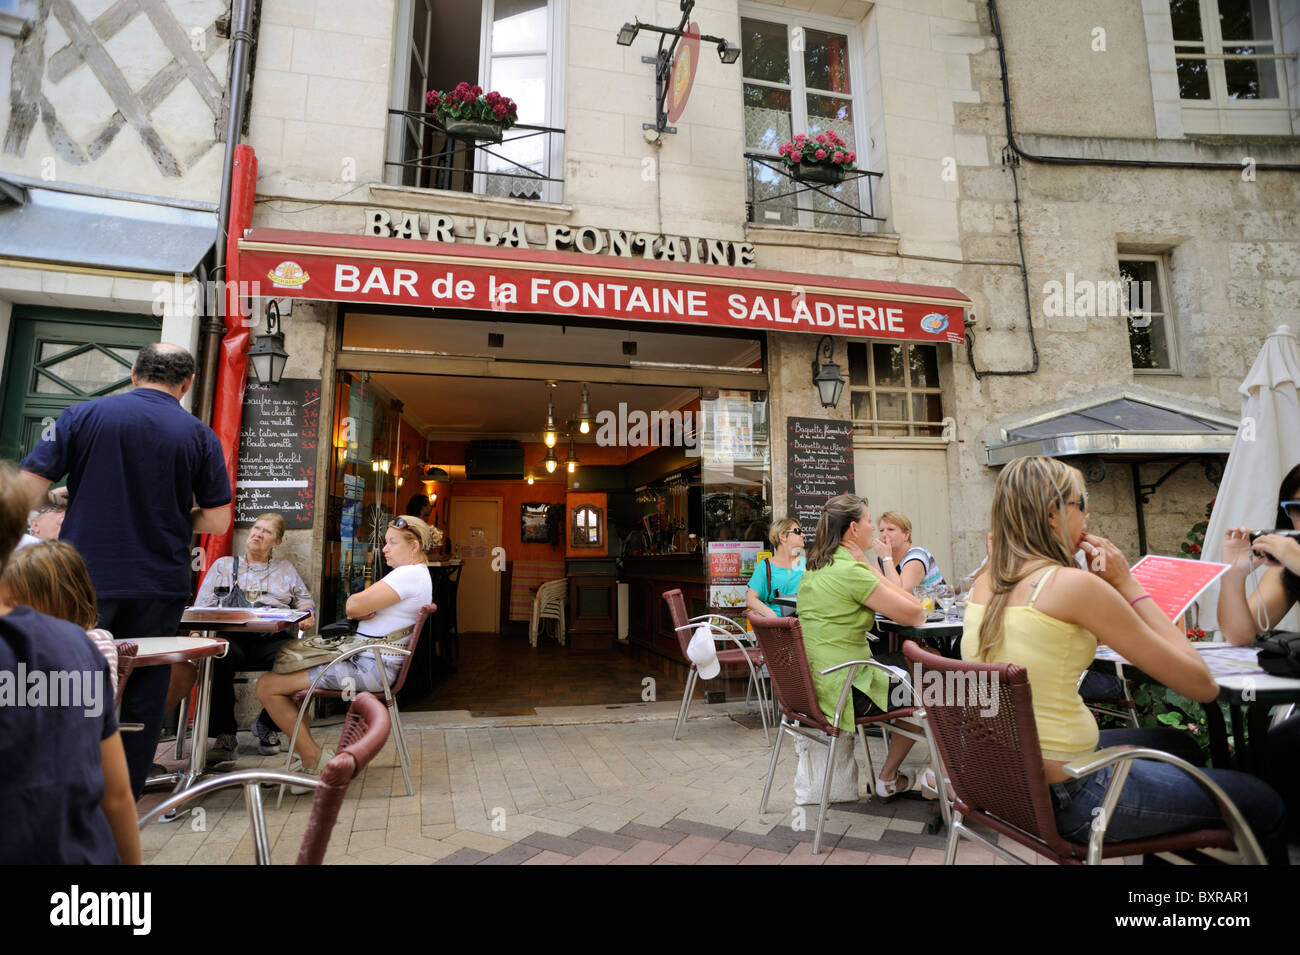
{"points": [[385, 608]]}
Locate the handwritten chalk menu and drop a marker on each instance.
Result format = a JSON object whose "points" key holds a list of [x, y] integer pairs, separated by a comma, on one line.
{"points": [[819, 465], [277, 452]]}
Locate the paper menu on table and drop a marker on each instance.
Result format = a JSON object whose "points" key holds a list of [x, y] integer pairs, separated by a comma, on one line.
{"points": [[1175, 582]]}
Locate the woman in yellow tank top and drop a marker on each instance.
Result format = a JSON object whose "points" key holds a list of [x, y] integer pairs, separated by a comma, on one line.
{"points": [[1033, 607]]}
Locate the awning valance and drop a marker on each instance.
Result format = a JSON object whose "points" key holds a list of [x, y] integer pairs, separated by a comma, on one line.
{"points": [[78, 230], [1124, 426], [345, 268]]}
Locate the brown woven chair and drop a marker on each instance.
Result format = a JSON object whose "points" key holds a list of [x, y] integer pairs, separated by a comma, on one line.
{"points": [[994, 768], [304, 697], [365, 730], [126, 652], [724, 630], [781, 639]]}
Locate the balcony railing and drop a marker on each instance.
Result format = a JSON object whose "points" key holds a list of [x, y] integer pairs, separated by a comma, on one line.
{"points": [[775, 197], [516, 167]]}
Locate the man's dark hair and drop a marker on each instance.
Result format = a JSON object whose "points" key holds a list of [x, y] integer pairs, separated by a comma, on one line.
{"points": [[161, 366]]}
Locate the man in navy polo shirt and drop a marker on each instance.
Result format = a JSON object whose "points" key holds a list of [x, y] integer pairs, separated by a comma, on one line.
{"points": [[143, 476]]}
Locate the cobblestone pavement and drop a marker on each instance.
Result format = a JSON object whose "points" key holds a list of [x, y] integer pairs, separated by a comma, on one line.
{"points": [[570, 787]]}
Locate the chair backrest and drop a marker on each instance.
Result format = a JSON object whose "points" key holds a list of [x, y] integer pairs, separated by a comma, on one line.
{"points": [[994, 762], [365, 730], [425, 613], [781, 640], [681, 621], [551, 596], [125, 664]]}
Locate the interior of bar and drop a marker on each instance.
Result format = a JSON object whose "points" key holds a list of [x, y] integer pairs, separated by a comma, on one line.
{"points": [[570, 496]]}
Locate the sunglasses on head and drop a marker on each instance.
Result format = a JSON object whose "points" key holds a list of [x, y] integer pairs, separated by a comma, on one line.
{"points": [[400, 524]]}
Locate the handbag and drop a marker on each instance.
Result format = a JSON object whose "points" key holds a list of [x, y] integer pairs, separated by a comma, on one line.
{"points": [[1279, 654], [333, 641], [236, 597]]}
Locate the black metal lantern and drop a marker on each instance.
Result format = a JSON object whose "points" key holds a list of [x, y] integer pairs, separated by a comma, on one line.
{"points": [[826, 376], [267, 355]]}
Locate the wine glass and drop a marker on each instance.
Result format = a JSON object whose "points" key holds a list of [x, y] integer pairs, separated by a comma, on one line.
{"points": [[221, 590], [946, 596]]}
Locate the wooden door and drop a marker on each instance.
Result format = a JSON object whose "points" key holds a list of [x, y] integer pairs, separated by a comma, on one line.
{"points": [[475, 533], [915, 482]]}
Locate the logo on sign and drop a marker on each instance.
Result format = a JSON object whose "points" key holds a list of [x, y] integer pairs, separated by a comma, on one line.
{"points": [[683, 74], [288, 275], [934, 323]]}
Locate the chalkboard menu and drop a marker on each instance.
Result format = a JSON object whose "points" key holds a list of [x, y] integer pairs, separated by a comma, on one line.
{"points": [[277, 452], [819, 465]]}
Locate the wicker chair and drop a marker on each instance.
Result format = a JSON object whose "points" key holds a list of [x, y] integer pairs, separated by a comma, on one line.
{"points": [[365, 730], [994, 766], [781, 640], [304, 697], [126, 651], [724, 630], [549, 604]]}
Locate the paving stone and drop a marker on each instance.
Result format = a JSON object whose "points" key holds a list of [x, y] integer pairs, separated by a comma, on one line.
{"points": [[643, 852], [548, 858], [596, 855], [463, 857], [842, 856], [667, 836], [544, 840], [689, 851], [763, 857], [515, 855], [600, 838], [698, 828]]}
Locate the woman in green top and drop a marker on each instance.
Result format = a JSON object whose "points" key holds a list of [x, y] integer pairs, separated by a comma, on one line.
{"points": [[839, 596]]}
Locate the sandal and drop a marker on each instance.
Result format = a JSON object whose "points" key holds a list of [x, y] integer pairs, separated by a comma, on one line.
{"points": [[887, 790], [929, 788]]}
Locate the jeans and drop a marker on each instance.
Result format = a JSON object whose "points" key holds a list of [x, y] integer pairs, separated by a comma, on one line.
{"points": [[145, 696], [1160, 799]]}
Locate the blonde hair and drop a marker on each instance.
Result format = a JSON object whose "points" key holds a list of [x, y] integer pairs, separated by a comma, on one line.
{"points": [[779, 528], [898, 519], [276, 521], [417, 530], [13, 510], [1026, 493], [51, 578]]}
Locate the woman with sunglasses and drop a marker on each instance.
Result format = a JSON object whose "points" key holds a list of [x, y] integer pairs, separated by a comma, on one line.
{"points": [[1244, 618], [778, 575], [1035, 608], [384, 609]]}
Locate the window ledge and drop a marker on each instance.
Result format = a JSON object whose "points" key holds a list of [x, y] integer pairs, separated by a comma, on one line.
{"points": [[868, 442], [469, 204], [11, 24], [872, 244], [1198, 148]]}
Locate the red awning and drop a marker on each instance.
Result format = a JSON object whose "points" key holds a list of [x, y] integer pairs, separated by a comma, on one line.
{"points": [[377, 271]]}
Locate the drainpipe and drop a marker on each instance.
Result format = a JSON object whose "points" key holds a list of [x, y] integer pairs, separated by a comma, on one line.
{"points": [[213, 328]]}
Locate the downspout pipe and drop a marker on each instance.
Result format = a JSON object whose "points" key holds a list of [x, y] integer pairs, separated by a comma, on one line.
{"points": [[213, 328]]}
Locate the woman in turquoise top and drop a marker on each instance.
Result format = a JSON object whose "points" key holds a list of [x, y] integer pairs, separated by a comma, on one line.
{"points": [[839, 597], [780, 573]]}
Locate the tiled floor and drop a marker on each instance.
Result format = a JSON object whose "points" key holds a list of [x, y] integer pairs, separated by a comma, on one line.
{"points": [[569, 786]]}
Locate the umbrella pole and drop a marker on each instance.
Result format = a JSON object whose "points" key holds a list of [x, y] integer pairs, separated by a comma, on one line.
{"points": [[1139, 498]]}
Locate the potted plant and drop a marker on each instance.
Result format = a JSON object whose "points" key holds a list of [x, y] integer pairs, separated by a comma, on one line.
{"points": [[469, 113], [821, 158]]}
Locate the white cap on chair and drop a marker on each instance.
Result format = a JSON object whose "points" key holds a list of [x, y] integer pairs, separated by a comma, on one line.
{"points": [[703, 653]]}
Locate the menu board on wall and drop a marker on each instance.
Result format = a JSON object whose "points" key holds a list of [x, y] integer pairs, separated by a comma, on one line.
{"points": [[277, 452], [819, 465]]}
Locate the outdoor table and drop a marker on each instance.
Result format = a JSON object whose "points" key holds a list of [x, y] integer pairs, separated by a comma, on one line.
{"points": [[1248, 691], [201, 650], [164, 651], [943, 634]]}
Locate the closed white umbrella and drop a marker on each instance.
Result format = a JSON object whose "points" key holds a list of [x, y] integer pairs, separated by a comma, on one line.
{"points": [[1266, 447]]}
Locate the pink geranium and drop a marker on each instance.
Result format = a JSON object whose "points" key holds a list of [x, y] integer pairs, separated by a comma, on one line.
{"points": [[466, 102], [837, 157], [796, 156], [820, 154], [826, 147]]}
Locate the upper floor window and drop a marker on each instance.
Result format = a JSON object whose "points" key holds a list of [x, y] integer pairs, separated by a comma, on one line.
{"points": [[1231, 70], [511, 46], [801, 75], [895, 389], [1150, 328]]}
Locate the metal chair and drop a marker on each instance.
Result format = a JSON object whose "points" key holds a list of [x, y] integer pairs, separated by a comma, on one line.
{"points": [[781, 639], [365, 730], [724, 630], [994, 766], [304, 697], [549, 604]]}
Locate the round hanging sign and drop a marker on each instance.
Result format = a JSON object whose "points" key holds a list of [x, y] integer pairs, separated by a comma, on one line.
{"points": [[683, 72]]}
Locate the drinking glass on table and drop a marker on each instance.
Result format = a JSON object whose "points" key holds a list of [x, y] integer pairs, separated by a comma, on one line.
{"points": [[222, 588], [947, 598]]}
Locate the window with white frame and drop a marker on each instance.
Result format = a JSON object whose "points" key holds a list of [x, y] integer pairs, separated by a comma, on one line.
{"points": [[801, 75], [894, 389], [512, 46], [1150, 327], [1232, 74]]}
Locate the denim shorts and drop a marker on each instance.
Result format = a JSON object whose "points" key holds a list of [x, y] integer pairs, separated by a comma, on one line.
{"points": [[361, 670], [1161, 799]]}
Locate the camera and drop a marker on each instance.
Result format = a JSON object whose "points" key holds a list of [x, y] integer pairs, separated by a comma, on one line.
{"points": [[1281, 532]]}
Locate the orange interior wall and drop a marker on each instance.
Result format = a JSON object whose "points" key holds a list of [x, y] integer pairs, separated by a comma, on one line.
{"points": [[513, 494]]}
